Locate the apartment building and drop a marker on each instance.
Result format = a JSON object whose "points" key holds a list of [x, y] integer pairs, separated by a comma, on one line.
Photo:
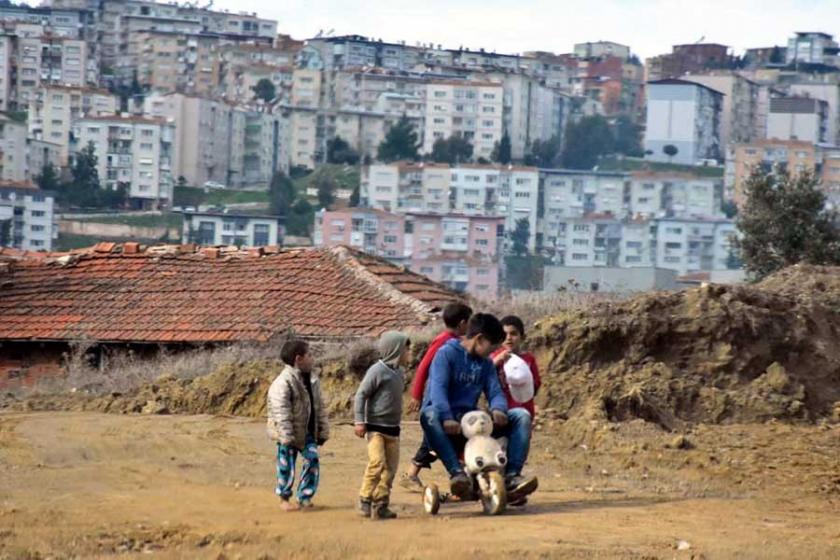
{"points": [[257, 148], [30, 58], [241, 230], [571, 193], [13, 150], [685, 117], [798, 118], [58, 109], [659, 194], [807, 47], [471, 110], [202, 135], [455, 249], [39, 154], [132, 152], [26, 216], [739, 109], [599, 49], [693, 245], [688, 59], [794, 155], [828, 91]]}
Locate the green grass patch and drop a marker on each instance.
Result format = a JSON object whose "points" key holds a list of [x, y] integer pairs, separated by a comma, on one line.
{"points": [[195, 196], [167, 219], [634, 164]]}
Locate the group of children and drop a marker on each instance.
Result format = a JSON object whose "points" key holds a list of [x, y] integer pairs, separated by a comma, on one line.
{"points": [[465, 360]]}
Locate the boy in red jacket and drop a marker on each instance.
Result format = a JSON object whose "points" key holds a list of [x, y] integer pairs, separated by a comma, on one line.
{"points": [[514, 335], [456, 316]]}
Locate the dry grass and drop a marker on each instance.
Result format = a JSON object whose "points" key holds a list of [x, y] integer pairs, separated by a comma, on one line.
{"points": [[533, 306]]}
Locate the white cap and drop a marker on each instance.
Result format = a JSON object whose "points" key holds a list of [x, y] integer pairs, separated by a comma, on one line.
{"points": [[519, 379]]}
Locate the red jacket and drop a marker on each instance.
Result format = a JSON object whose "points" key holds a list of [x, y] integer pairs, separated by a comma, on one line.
{"points": [[532, 363], [423, 369]]}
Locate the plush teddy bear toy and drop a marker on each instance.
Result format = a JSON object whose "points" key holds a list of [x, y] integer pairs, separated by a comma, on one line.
{"points": [[482, 451]]}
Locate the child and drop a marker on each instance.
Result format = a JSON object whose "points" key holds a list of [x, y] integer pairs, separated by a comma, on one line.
{"points": [[378, 411], [514, 335], [455, 318], [461, 372], [297, 421]]}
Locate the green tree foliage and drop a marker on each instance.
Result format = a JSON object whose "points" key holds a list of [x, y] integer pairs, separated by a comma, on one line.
{"points": [[670, 150], [452, 150], [401, 142], [339, 151], [520, 236], [545, 153], [502, 150], [628, 137], [300, 218], [326, 186], [48, 179], [784, 222], [84, 189], [281, 194], [265, 90], [355, 197], [586, 141]]}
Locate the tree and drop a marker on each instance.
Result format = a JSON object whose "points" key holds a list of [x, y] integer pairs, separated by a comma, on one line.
{"points": [[501, 151], [785, 221], [265, 90], [83, 189], [281, 194], [401, 142], [452, 150], [628, 138], [300, 218], [339, 152], [670, 150], [520, 236], [544, 153], [355, 197], [586, 141], [48, 179], [326, 186]]}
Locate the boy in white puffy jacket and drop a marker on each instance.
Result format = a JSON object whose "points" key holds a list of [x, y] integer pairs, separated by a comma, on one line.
{"points": [[297, 421]]}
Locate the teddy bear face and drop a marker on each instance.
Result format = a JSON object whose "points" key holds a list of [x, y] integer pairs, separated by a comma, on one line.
{"points": [[476, 423]]}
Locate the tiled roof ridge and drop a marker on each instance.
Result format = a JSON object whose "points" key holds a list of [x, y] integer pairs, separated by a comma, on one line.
{"points": [[348, 257]]}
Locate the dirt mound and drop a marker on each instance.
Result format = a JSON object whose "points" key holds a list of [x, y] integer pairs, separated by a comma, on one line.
{"points": [[712, 354]]}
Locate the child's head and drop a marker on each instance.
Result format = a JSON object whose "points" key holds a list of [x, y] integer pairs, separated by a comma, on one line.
{"points": [[295, 353], [456, 315], [484, 334], [514, 331], [394, 348]]}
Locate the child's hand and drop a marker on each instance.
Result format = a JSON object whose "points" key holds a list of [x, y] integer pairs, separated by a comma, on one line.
{"points": [[360, 430], [501, 357], [451, 427], [413, 405], [499, 418]]}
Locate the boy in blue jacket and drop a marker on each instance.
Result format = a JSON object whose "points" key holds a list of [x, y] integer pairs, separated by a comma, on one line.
{"points": [[460, 373]]}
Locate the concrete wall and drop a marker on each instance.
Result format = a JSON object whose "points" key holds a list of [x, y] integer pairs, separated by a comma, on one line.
{"points": [[608, 280], [116, 230]]}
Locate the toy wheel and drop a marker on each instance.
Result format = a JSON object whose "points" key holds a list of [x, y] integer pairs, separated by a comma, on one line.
{"points": [[494, 495], [431, 499]]}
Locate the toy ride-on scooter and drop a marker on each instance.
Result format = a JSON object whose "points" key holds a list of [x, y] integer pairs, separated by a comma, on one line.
{"points": [[484, 462]]}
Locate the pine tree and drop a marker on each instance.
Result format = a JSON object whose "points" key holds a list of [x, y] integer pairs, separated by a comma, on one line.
{"points": [[502, 150], [281, 193], [401, 142]]}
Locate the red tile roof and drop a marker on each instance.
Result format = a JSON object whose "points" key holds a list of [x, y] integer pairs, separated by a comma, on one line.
{"points": [[126, 293]]}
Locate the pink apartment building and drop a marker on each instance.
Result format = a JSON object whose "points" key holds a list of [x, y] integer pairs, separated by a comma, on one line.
{"points": [[457, 250]]}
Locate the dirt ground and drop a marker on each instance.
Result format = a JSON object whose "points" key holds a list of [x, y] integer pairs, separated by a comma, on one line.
{"points": [[94, 485]]}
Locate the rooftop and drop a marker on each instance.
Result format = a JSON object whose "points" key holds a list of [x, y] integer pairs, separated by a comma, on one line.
{"points": [[186, 294]]}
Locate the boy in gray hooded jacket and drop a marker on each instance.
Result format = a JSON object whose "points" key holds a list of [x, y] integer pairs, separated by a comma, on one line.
{"points": [[378, 411]]}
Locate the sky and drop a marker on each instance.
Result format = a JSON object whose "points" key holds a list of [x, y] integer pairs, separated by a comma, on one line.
{"points": [[649, 27]]}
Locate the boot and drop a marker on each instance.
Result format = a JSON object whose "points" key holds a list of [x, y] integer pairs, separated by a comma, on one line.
{"points": [[364, 507], [379, 510]]}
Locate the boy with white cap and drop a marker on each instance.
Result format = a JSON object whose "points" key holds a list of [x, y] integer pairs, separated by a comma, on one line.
{"points": [[519, 387]]}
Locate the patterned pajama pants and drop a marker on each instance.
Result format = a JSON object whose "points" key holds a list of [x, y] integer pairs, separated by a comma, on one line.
{"points": [[309, 474]]}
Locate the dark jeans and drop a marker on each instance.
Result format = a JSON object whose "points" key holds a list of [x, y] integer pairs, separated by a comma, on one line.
{"points": [[518, 432], [424, 456]]}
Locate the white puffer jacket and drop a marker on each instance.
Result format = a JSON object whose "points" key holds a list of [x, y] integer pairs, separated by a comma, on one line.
{"points": [[288, 409]]}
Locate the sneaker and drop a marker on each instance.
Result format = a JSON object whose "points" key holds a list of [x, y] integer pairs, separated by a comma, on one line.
{"points": [[460, 485], [364, 507], [379, 510], [519, 486], [305, 504], [412, 483]]}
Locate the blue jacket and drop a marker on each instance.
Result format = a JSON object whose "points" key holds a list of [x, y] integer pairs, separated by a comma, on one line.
{"points": [[457, 379]]}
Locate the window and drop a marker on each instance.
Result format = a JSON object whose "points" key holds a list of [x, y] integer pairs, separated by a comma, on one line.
{"points": [[674, 230], [390, 239], [579, 256], [672, 259], [634, 245], [487, 123], [261, 234], [581, 242], [439, 93], [37, 228], [633, 259], [522, 194], [38, 198], [36, 243], [489, 96], [38, 213], [426, 270], [488, 109], [481, 242], [482, 272], [147, 133], [581, 227], [146, 146]]}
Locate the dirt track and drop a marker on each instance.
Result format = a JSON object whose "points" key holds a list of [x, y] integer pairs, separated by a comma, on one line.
{"points": [[82, 485]]}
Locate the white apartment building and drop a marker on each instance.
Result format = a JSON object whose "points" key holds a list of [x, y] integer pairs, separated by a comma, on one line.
{"points": [[739, 110], [684, 116], [825, 91], [257, 148], [812, 48], [674, 194], [692, 245], [798, 118], [59, 108], [40, 153], [27, 216], [135, 152], [13, 150], [217, 228], [471, 110]]}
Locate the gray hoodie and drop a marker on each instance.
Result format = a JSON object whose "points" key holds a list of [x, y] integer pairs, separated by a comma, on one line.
{"points": [[379, 397]]}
